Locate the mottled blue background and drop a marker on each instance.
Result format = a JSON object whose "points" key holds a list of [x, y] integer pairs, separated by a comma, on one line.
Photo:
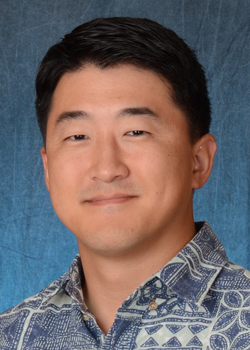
{"points": [[35, 248]]}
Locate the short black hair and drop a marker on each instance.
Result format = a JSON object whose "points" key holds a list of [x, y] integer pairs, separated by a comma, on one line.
{"points": [[107, 42]]}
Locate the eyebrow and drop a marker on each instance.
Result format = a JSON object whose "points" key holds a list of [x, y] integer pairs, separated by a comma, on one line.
{"points": [[140, 111], [132, 111], [72, 115]]}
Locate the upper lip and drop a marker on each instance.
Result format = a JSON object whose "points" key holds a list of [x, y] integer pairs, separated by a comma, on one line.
{"points": [[102, 197]]}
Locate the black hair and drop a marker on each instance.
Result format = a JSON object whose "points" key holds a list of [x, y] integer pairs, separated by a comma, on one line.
{"points": [[107, 42]]}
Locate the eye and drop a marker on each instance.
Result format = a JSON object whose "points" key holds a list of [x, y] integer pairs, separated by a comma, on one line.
{"points": [[77, 137], [136, 133]]}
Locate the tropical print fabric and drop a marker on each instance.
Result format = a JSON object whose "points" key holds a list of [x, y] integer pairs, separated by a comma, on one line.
{"points": [[199, 300]]}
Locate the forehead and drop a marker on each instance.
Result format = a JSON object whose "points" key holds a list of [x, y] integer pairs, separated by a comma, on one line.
{"points": [[123, 83]]}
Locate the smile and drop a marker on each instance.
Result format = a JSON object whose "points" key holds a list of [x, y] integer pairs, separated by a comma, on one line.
{"points": [[109, 200]]}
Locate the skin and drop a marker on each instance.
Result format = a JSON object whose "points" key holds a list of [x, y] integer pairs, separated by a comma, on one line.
{"points": [[121, 170]]}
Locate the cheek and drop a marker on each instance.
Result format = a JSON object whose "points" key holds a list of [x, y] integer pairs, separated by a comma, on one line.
{"points": [[169, 173], [63, 175]]}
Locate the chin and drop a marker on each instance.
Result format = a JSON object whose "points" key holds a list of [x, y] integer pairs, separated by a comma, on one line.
{"points": [[110, 242]]}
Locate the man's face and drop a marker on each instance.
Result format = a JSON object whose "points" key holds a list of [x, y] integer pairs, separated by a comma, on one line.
{"points": [[118, 159]]}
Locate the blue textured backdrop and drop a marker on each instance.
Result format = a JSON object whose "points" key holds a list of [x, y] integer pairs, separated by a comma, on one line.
{"points": [[35, 248]]}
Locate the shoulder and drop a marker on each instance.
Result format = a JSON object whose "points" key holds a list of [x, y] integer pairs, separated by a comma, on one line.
{"points": [[46, 296], [231, 289], [233, 277], [23, 318]]}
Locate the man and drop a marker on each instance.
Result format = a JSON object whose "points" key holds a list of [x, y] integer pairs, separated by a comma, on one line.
{"points": [[123, 109]]}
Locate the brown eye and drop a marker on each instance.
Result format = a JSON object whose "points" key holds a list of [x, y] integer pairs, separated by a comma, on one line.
{"points": [[136, 133], [78, 137]]}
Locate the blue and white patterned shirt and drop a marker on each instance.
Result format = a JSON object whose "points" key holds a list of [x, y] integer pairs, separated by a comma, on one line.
{"points": [[197, 301]]}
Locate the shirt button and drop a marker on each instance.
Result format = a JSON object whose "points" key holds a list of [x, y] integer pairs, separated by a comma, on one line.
{"points": [[85, 317], [153, 305]]}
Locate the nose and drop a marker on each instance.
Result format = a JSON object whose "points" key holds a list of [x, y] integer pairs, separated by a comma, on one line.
{"points": [[108, 162]]}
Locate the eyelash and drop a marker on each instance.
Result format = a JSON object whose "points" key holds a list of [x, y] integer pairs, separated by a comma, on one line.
{"points": [[136, 132], [80, 137]]}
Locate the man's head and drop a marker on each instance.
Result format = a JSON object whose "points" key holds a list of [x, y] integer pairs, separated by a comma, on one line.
{"points": [[123, 107], [140, 42]]}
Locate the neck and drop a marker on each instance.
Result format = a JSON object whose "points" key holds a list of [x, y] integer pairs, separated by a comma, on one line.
{"points": [[109, 280]]}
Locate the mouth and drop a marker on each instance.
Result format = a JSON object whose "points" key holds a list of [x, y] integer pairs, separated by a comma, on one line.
{"points": [[108, 200]]}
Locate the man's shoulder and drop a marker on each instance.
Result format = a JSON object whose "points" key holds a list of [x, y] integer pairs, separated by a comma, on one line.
{"points": [[23, 318], [38, 301], [222, 274], [54, 296], [233, 277]]}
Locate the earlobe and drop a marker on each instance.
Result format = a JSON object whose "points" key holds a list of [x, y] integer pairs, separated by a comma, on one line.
{"points": [[45, 167], [204, 152]]}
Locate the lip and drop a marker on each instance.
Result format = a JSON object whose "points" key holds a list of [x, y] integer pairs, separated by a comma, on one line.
{"points": [[108, 200]]}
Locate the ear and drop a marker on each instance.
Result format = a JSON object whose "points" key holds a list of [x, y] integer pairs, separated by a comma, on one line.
{"points": [[203, 152], [45, 166]]}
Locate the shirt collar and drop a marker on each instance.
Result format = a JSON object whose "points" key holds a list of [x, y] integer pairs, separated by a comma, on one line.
{"points": [[193, 270], [73, 282]]}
